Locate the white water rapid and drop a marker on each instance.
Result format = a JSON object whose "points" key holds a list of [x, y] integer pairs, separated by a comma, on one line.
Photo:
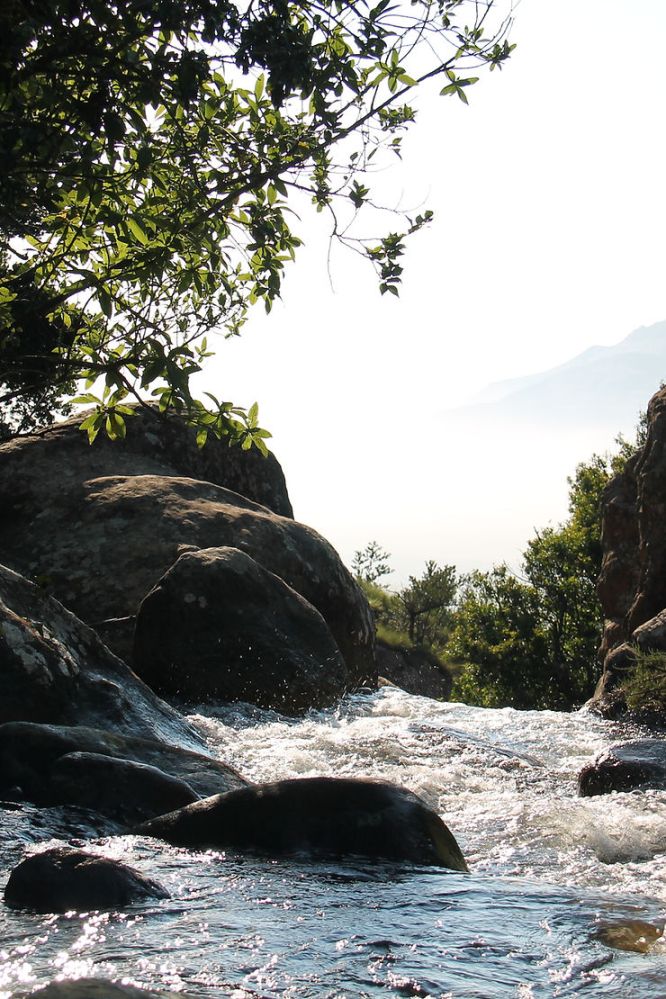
{"points": [[556, 883]]}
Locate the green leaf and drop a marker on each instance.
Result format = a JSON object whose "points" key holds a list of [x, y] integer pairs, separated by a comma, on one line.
{"points": [[137, 230], [105, 302]]}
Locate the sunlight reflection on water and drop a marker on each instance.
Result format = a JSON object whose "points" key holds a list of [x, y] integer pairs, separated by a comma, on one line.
{"points": [[549, 871]]}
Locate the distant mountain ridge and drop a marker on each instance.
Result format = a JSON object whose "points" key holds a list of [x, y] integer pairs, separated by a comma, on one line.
{"points": [[600, 385]]}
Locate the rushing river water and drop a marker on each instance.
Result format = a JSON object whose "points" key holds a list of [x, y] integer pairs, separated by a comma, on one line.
{"points": [[555, 879]]}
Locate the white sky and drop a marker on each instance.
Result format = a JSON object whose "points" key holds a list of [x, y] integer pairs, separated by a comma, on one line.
{"points": [[550, 219]]}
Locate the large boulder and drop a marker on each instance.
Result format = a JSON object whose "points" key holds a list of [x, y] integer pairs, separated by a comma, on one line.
{"points": [[321, 817], [60, 880], [218, 625], [632, 584], [36, 761], [624, 767], [156, 444], [101, 543], [415, 670]]}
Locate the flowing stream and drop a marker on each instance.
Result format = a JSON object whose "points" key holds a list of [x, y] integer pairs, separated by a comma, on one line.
{"points": [[560, 886]]}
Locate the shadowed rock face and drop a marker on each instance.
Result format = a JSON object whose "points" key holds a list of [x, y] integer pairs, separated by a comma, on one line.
{"points": [[319, 817], [219, 626], [121, 789], [37, 759], [629, 765], [53, 668], [414, 670], [632, 584], [60, 880]]}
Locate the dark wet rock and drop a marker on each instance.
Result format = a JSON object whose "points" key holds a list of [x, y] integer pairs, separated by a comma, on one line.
{"points": [[31, 759], [318, 817], [121, 789], [101, 544], [60, 880], [632, 584], [219, 626], [53, 668], [415, 670], [98, 988], [624, 767]]}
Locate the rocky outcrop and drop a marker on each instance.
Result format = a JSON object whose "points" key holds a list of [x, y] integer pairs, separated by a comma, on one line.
{"points": [[320, 817], [414, 670], [36, 763], [60, 880], [105, 537], [624, 767], [632, 585], [220, 626], [53, 668], [155, 445]]}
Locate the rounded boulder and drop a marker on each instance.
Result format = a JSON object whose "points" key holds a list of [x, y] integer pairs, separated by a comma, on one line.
{"points": [[220, 626], [61, 880], [318, 817]]}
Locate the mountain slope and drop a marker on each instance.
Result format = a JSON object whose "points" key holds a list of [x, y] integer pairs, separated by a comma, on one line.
{"points": [[601, 385]]}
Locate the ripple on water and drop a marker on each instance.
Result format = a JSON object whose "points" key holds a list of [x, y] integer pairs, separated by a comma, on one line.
{"points": [[555, 877]]}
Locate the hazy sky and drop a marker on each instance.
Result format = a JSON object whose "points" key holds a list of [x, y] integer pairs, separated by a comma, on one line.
{"points": [[550, 215]]}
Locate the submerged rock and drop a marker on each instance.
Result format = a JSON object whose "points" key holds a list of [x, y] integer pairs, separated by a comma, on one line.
{"points": [[38, 760], [98, 988], [624, 767], [634, 935], [60, 880], [321, 817], [219, 626]]}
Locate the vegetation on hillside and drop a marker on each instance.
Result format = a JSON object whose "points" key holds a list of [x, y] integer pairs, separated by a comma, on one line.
{"points": [[152, 156], [418, 614], [645, 686], [525, 639]]}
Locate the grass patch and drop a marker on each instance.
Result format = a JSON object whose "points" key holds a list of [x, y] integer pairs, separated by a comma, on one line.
{"points": [[645, 685]]}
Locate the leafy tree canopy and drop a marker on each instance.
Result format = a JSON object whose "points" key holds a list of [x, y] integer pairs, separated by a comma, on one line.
{"points": [[149, 153]]}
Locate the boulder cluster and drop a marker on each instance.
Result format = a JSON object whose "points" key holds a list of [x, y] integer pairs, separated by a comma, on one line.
{"points": [[146, 569]]}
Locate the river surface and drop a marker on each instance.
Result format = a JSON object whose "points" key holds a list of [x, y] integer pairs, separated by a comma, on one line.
{"points": [[555, 879]]}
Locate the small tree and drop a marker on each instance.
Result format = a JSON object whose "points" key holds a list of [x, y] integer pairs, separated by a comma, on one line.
{"points": [[426, 604], [371, 563]]}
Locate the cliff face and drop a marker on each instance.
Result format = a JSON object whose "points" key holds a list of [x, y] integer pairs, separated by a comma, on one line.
{"points": [[632, 584]]}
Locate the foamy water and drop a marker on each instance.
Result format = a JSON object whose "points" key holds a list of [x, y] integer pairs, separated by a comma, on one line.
{"points": [[550, 872]]}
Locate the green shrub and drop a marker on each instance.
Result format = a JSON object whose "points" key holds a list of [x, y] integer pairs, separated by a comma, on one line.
{"points": [[645, 686]]}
